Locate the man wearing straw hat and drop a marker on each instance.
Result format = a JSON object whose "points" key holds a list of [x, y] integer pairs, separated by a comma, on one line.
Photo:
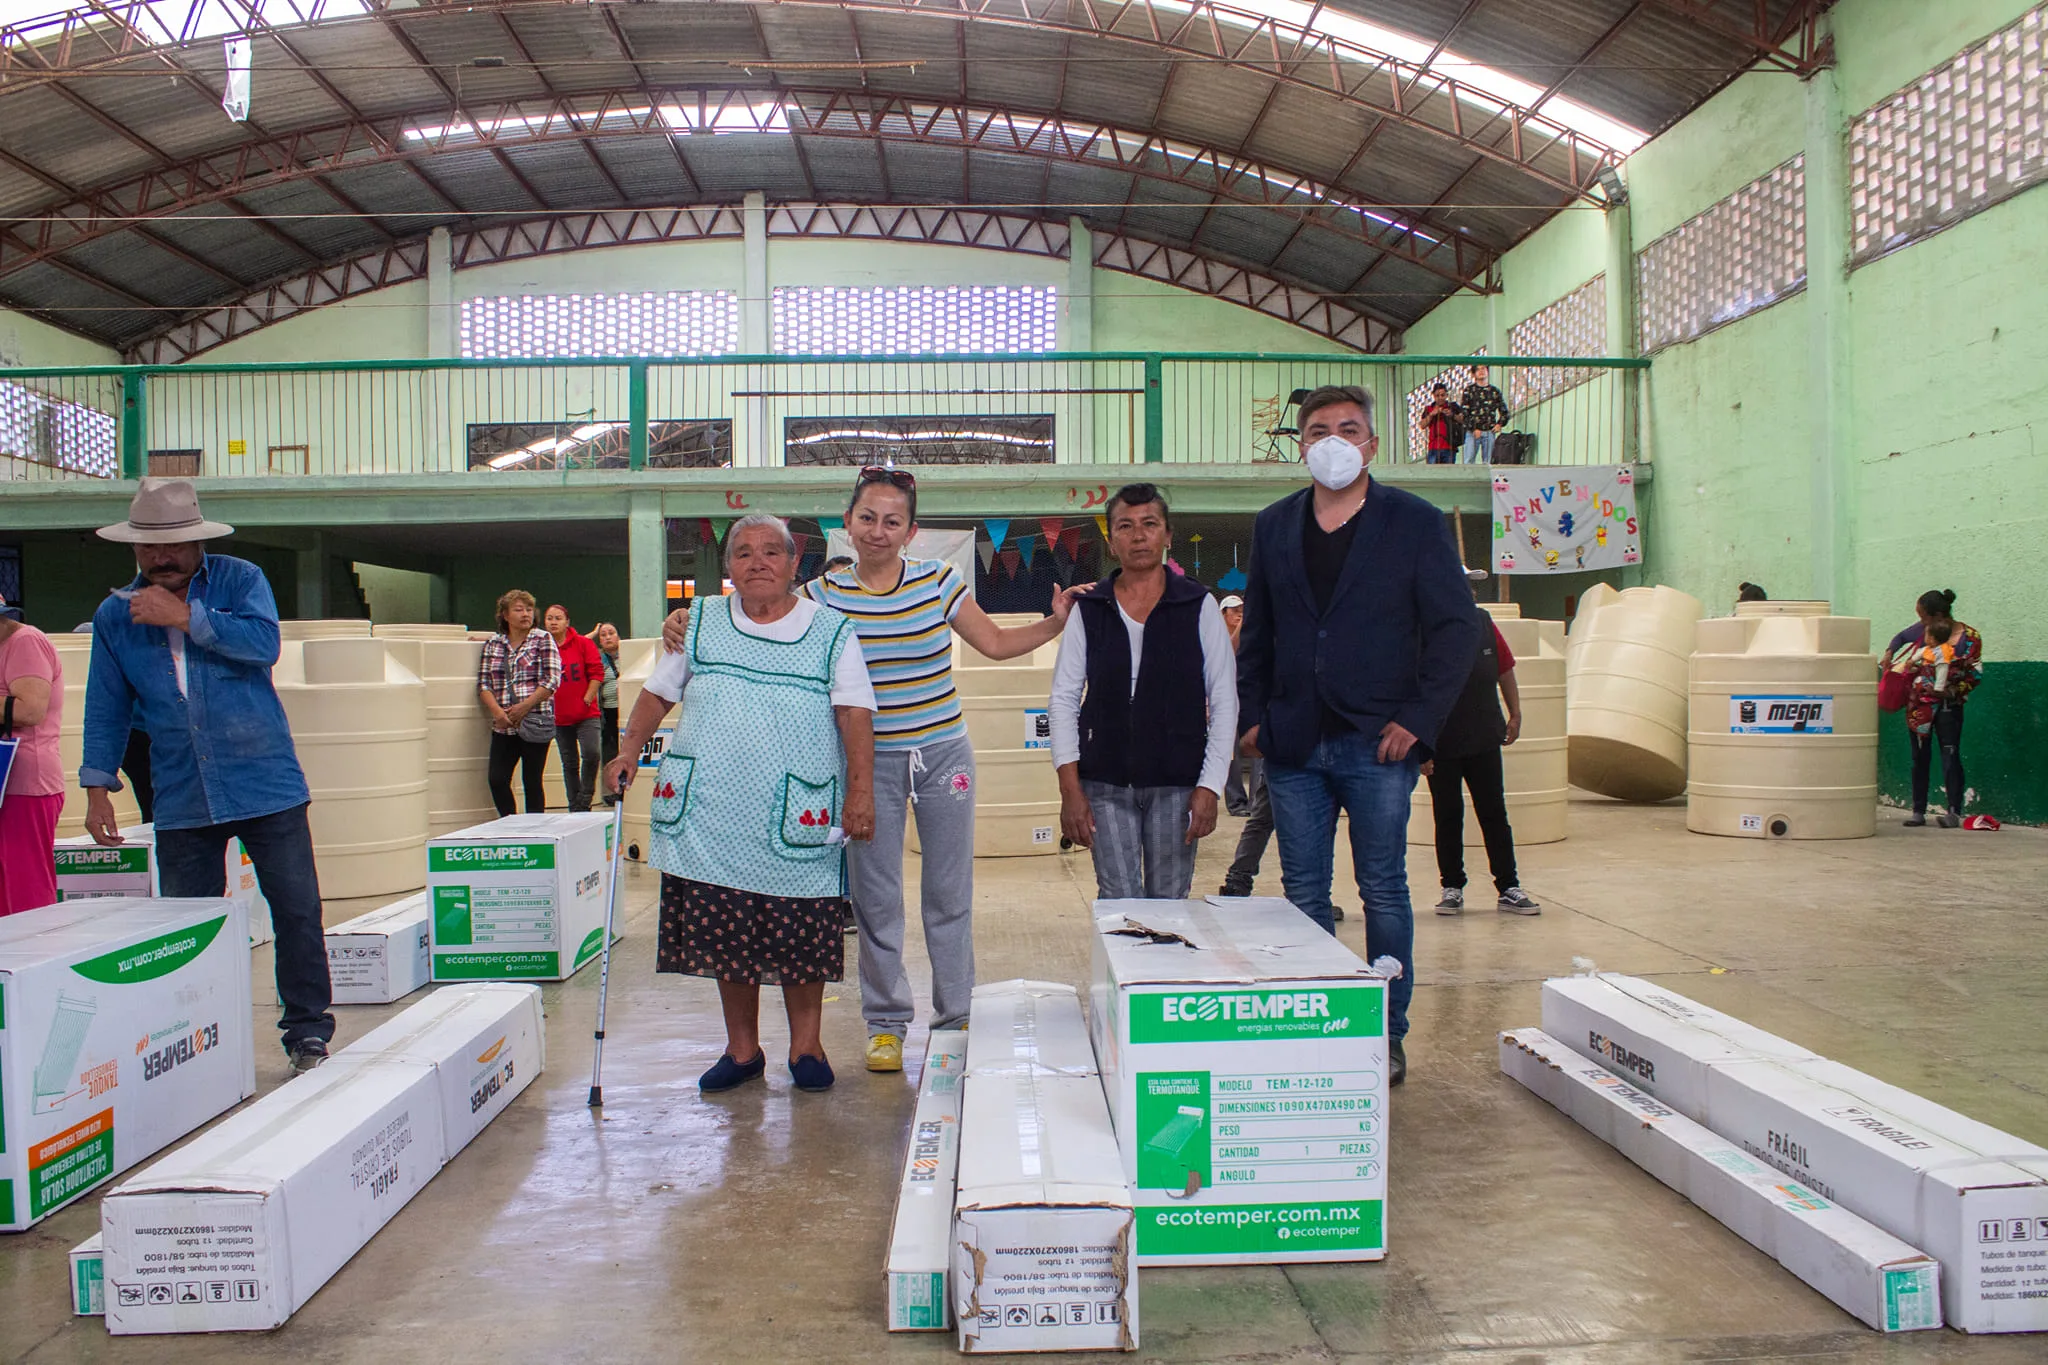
{"points": [[187, 649]]}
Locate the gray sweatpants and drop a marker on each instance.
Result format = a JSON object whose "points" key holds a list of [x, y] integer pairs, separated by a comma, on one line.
{"points": [[1141, 847], [936, 783]]}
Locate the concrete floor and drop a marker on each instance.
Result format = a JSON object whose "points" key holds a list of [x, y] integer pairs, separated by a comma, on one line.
{"points": [[752, 1228]]}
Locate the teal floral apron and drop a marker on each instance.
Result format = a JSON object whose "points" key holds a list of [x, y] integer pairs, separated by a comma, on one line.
{"points": [[751, 784]]}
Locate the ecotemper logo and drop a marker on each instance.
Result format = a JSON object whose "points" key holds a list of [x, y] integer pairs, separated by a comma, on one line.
{"points": [[1210, 1016], [490, 857], [179, 1051], [1621, 1058]]}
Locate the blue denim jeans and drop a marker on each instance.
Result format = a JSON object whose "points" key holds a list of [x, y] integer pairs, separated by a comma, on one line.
{"points": [[1479, 447], [193, 862], [1344, 773]]}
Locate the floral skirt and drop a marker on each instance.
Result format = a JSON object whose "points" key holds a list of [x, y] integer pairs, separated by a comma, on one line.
{"points": [[748, 938]]}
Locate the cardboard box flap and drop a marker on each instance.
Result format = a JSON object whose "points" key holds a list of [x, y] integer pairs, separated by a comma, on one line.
{"points": [[1225, 940], [60, 931], [1029, 1025], [242, 1154], [386, 919], [1031, 1139]]}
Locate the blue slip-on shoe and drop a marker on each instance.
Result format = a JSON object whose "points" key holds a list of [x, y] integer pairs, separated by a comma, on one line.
{"points": [[811, 1073], [727, 1073]]}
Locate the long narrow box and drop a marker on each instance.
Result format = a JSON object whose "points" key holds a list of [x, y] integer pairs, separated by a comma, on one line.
{"points": [[1042, 1221], [1244, 1054], [124, 1025], [86, 871], [383, 956], [486, 1040], [921, 1235], [1866, 1271], [236, 1230], [1974, 1198], [520, 898]]}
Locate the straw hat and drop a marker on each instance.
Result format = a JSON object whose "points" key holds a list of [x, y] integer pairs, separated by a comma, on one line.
{"points": [[165, 512]]}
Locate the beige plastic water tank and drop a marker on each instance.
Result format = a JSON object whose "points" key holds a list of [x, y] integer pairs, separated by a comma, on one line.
{"points": [[1783, 725], [1017, 795], [336, 628], [1533, 768], [1626, 671], [420, 630], [458, 732], [359, 722], [74, 656]]}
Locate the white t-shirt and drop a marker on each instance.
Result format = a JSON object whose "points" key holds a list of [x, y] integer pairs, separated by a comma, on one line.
{"points": [[850, 685]]}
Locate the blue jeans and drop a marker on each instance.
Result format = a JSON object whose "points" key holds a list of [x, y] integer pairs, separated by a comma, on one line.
{"points": [[1479, 447], [193, 862], [1344, 772], [1443, 456]]}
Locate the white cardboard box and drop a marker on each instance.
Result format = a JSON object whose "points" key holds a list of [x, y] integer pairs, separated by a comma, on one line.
{"points": [[1245, 1060], [487, 1040], [921, 1235], [1029, 1026], [1870, 1274], [88, 1299], [124, 1025], [87, 871], [519, 898], [236, 1230], [1972, 1197], [383, 956], [1042, 1221]]}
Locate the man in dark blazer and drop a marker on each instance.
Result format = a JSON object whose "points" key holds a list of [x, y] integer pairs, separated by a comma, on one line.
{"points": [[1358, 635]]}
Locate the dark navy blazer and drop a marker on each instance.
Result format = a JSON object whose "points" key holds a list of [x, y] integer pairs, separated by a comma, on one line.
{"points": [[1396, 644]]}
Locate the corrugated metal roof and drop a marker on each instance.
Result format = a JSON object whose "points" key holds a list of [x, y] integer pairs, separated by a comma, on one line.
{"points": [[1642, 63]]}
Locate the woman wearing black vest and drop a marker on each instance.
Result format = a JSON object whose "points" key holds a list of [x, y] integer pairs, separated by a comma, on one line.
{"points": [[1468, 754]]}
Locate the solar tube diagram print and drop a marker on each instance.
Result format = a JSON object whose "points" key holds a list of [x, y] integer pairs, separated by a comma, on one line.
{"points": [[56, 1078]]}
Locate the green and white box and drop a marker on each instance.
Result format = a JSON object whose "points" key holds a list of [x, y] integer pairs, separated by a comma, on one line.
{"points": [[383, 956], [1244, 1054], [1870, 1274], [87, 1285], [87, 871], [520, 898], [921, 1237], [124, 1025]]}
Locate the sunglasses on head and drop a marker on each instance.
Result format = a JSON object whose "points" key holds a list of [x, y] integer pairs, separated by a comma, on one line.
{"points": [[879, 473]]}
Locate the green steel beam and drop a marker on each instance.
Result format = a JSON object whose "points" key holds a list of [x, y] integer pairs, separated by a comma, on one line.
{"points": [[944, 492], [1155, 409], [134, 426], [636, 415]]}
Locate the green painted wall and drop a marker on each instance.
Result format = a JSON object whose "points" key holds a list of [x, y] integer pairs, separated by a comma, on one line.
{"points": [[25, 341], [1947, 396], [66, 574], [395, 595], [593, 587]]}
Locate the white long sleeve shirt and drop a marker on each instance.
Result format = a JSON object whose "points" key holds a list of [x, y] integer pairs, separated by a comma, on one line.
{"points": [[1219, 679]]}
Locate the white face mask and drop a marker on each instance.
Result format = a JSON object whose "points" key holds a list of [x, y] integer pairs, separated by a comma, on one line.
{"points": [[1335, 463]]}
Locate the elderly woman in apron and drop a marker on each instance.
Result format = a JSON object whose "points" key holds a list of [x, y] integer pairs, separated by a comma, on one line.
{"points": [[769, 773]]}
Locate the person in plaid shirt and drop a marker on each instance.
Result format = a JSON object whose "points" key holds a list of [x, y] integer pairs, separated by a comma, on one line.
{"points": [[516, 683], [1485, 412]]}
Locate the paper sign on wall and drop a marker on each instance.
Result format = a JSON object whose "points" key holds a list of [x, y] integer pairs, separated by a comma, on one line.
{"points": [[1565, 519]]}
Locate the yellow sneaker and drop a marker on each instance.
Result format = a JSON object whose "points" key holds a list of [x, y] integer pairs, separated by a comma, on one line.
{"points": [[885, 1052]]}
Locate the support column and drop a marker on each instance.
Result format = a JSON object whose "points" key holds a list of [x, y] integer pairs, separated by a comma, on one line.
{"points": [[753, 443], [647, 565], [1621, 326], [1827, 314], [441, 328], [312, 575], [443, 423]]}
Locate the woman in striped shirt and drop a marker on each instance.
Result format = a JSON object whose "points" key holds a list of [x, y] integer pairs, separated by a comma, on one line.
{"points": [[906, 612]]}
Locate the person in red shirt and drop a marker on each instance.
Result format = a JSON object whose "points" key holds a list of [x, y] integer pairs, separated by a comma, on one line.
{"points": [[1440, 426], [579, 721], [1468, 755]]}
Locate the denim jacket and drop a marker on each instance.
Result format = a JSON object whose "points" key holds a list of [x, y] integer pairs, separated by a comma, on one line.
{"points": [[221, 752]]}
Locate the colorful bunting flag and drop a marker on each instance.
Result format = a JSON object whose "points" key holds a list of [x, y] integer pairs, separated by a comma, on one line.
{"points": [[1027, 548], [998, 530], [1051, 528]]}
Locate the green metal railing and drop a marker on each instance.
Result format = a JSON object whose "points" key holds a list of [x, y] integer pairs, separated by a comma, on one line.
{"points": [[444, 416]]}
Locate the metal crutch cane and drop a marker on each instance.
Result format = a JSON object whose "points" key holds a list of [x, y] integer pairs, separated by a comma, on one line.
{"points": [[604, 957]]}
